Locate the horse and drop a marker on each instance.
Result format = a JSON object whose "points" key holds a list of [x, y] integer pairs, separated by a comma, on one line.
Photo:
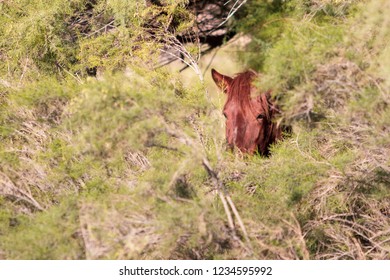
{"points": [[250, 122]]}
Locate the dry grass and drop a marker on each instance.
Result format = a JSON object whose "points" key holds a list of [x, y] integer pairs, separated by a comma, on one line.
{"points": [[132, 233], [336, 81], [125, 168]]}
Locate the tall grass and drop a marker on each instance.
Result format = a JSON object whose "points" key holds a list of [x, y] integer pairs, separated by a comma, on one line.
{"points": [[133, 165]]}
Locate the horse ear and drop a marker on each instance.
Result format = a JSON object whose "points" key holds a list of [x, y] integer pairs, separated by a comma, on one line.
{"points": [[265, 100], [268, 94], [222, 81]]}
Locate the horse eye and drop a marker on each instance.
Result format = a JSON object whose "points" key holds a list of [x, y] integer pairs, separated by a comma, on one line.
{"points": [[224, 114], [260, 117]]}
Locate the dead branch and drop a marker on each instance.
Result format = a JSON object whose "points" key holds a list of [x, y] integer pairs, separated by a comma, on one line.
{"points": [[225, 198]]}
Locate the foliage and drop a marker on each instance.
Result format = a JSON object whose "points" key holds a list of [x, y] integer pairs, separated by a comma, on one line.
{"points": [[130, 164], [77, 37], [329, 82]]}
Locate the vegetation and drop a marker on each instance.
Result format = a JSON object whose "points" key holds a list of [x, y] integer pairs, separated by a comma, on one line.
{"points": [[131, 164]]}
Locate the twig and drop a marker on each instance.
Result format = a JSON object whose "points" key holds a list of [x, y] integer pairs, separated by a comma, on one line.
{"points": [[219, 190], [211, 60], [100, 29], [232, 11], [297, 229], [23, 73], [84, 232], [219, 187], [16, 192], [309, 155], [72, 75], [238, 217]]}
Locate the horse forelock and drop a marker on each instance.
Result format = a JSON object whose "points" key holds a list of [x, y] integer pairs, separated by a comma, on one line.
{"points": [[240, 89]]}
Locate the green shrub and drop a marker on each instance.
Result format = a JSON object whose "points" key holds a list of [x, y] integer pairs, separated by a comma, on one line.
{"points": [[118, 166]]}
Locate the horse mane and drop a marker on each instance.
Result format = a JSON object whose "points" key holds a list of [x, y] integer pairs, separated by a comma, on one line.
{"points": [[240, 92], [240, 88]]}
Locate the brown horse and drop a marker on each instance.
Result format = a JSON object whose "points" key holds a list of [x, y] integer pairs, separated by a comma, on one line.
{"points": [[249, 120]]}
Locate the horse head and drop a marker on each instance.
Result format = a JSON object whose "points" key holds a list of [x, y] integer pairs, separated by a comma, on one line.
{"points": [[249, 120]]}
